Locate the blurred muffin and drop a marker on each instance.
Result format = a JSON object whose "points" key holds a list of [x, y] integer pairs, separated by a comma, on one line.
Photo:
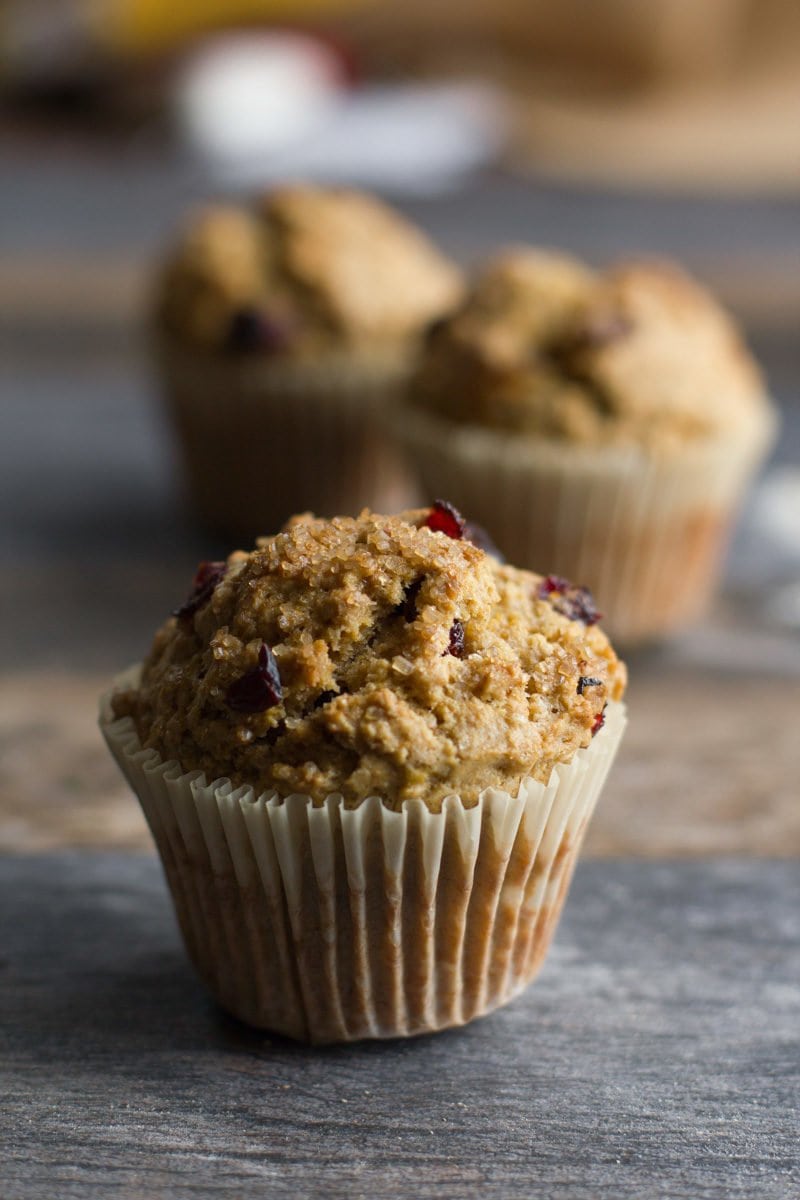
{"points": [[368, 753], [601, 425], [281, 331]]}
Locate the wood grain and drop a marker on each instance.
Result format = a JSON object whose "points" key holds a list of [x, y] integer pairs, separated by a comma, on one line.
{"points": [[657, 1055]]}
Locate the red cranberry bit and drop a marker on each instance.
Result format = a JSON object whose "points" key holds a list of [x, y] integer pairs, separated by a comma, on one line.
{"points": [[601, 329], [553, 583], [599, 720], [253, 331], [259, 689], [455, 646], [577, 603], [597, 330], [585, 681], [205, 581], [444, 518], [607, 327]]}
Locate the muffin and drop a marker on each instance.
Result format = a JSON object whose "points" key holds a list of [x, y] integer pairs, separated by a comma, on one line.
{"points": [[368, 753], [280, 332], [604, 425]]}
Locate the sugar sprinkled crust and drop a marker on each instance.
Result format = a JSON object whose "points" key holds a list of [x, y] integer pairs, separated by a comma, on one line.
{"points": [[638, 354], [410, 664], [309, 268]]}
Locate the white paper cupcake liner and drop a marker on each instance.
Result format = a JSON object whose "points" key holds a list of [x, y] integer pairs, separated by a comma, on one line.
{"points": [[261, 441], [646, 533], [330, 924]]}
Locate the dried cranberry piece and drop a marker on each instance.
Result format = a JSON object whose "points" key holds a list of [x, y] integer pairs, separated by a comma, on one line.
{"points": [[206, 578], [599, 720], [601, 329], [553, 583], [252, 330], [585, 681], [577, 603], [455, 645], [596, 330], [258, 689], [479, 537], [445, 518]]}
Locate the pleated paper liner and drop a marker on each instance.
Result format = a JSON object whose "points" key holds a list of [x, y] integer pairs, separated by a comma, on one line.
{"points": [[330, 924], [646, 533], [263, 440]]}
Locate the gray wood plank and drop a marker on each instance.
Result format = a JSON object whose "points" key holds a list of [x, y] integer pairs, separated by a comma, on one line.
{"points": [[657, 1055]]}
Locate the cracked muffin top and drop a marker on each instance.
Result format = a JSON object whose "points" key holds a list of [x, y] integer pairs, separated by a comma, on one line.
{"points": [[639, 354], [386, 656], [304, 270]]}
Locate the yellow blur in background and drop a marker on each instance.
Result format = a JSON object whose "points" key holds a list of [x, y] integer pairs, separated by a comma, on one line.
{"points": [[142, 26]]}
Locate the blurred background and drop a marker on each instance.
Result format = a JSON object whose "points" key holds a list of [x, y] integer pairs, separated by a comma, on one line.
{"points": [[606, 127]]}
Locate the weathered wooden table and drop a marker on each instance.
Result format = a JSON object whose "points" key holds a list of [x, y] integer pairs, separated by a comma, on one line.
{"points": [[658, 1055]]}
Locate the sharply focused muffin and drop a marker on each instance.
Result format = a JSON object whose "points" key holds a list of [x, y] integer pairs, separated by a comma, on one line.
{"points": [[401, 663], [386, 705], [604, 424], [282, 330]]}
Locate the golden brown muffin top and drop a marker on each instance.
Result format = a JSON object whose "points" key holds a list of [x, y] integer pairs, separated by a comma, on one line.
{"points": [[384, 656], [305, 270], [640, 354]]}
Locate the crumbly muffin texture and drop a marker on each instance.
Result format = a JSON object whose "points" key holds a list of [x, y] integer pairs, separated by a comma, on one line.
{"points": [[639, 354], [305, 270], [384, 656]]}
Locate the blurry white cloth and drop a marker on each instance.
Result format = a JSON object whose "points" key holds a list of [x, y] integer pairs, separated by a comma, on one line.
{"points": [[776, 510], [271, 107]]}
